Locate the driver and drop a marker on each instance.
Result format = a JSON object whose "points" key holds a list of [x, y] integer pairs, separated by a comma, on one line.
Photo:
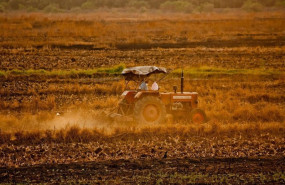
{"points": [[143, 85], [154, 86]]}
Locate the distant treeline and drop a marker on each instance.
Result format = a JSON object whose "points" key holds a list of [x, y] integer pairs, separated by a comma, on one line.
{"points": [[187, 6]]}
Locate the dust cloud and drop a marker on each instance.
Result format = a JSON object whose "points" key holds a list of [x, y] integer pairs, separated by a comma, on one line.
{"points": [[80, 119]]}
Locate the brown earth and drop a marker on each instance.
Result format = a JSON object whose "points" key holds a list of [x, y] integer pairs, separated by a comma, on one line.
{"points": [[149, 159], [243, 142], [224, 57], [153, 171]]}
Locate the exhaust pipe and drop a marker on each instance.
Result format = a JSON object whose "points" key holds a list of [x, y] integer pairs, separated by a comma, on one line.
{"points": [[182, 82]]}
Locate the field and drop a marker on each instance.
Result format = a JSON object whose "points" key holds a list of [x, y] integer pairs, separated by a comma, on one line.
{"points": [[60, 72]]}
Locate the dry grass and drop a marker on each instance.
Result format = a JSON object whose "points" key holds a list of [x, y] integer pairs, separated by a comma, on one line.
{"points": [[75, 133], [33, 105], [225, 100], [58, 78], [241, 87], [94, 32]]}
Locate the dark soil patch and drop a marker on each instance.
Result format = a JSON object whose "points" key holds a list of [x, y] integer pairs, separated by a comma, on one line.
{"points": [[149, 171]]}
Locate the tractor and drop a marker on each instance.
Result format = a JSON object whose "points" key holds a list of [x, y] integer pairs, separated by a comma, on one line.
{"points": [[152, 106]]}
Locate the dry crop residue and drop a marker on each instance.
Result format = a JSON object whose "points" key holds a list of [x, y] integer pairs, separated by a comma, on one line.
{"points": [[53, 94]]}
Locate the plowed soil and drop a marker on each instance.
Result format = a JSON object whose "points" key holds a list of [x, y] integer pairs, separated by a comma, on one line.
{"points": [[148, 160], [153, 171], [250, 152]]}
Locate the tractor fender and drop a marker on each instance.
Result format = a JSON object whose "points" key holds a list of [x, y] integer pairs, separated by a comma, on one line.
{"points": [[144, 93]]}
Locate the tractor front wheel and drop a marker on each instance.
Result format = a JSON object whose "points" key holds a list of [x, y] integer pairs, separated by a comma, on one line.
{"points": [[149, 110], [198, 116]]}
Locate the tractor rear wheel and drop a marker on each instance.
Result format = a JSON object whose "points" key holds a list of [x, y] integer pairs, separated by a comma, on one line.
{"points": [[198, 116], [149, 110]]}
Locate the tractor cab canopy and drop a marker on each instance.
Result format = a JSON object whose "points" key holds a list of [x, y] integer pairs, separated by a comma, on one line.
{"points": [[141, 72]]}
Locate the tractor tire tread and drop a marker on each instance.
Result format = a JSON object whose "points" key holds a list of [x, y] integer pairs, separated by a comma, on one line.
{"points": [[143, 102]]}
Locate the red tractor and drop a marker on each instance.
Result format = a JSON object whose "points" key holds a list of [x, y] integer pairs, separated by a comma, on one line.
{"points": [[152, 106]]}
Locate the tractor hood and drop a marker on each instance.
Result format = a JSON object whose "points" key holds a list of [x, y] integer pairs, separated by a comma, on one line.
{"points": [[135, 72]]}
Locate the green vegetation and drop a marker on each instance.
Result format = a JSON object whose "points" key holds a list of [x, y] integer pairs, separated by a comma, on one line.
{"points": [[177, 6], [250, 5], [214, 71], [280, 3], [53, 6], [3, 73], [203, 71], [73, 73], [115, 70]]}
